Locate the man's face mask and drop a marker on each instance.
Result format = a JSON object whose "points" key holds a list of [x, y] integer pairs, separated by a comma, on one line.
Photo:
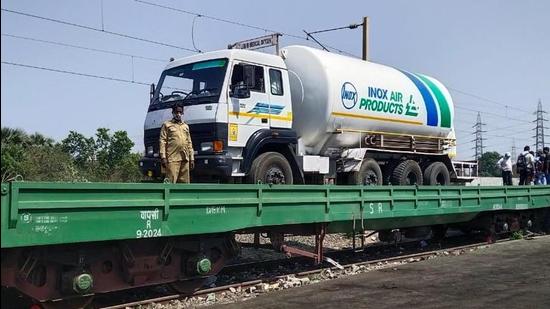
{"points": [[177, 115]]}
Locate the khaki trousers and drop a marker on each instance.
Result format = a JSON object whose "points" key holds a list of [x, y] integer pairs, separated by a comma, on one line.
{"points": [[178, 171]]}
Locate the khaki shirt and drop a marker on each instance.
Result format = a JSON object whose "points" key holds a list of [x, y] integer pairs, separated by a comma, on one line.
{"points": [[175, 142]]}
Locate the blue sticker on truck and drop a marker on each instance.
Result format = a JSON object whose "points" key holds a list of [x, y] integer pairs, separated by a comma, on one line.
{"points": [[265, 108]]}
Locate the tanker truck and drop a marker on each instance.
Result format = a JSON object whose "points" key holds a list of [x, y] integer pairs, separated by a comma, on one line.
{"points": [[304, 116]]}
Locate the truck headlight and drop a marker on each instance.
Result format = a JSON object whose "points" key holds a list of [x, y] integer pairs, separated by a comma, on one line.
{"points": [[150, 150], [206, 146], [218, 146], [215, 146]]}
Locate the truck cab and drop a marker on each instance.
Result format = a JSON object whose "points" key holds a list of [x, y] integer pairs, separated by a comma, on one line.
{"points": [[237, 104]]}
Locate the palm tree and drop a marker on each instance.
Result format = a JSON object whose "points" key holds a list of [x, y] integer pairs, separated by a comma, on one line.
{"points": [[14, 136], [38, 139]]}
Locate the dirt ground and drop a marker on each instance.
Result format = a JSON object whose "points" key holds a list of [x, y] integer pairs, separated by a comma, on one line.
{"points": [[506, 275]]}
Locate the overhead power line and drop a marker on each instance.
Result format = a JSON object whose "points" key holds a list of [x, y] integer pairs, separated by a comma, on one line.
{"points": [[487, 100], [195, 50], [96, 29], [75, 73], [506, 128], [489, 113], [237, 24], [352, 26], [509, 135], [217, 18], [81, 47]]}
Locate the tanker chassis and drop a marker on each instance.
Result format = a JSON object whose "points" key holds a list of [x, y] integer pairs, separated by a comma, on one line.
{"points": [[304, 116]]}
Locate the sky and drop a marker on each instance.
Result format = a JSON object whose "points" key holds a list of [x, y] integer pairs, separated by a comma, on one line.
{"points": [[493, 56]]}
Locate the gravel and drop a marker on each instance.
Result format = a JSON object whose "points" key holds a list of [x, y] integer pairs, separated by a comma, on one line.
{"points": [[338, 241], [238, 294]]}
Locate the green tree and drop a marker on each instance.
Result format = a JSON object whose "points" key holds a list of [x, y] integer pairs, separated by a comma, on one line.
{"points": [[38, 139], [120, 147], [127, 169], [14, 136], [13, 143], [113, 153], [80, 148], [111, 150], [103, 158], [12, 155], [48, 163], [487, 164], [34, 157], [77, 158]]}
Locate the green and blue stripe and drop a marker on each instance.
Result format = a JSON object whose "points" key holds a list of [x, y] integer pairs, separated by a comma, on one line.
{"points": [[444, 109], [431, 109], [423, 83]]}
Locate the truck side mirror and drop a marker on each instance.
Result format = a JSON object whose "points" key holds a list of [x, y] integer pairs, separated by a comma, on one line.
{"points": [[240, 91], [152, 91]]}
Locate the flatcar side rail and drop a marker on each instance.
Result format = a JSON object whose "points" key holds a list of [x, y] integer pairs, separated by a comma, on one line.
{"points": [[42, 213]]}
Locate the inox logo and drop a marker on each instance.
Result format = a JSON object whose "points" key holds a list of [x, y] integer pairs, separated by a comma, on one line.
{"points": [[349, 95]]}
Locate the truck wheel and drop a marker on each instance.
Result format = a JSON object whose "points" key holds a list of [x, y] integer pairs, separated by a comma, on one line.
{"points": [[271, 168], [407, 173], [437, 174], [369, 174]]}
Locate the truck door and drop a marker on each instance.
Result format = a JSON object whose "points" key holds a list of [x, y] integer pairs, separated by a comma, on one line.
{"points": [[280, 108], [247, 114]]}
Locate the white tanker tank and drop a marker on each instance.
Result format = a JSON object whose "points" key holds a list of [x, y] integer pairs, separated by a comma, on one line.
{"points": [[333, 92]]}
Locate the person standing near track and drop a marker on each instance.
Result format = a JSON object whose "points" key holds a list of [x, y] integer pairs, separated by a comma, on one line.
{"points": [[176, 148], [546, 164], [525, 166], [505, 165], [540, 174]]}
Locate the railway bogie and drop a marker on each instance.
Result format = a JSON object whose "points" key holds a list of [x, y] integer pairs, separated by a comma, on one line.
{"points": [[61, 271]]}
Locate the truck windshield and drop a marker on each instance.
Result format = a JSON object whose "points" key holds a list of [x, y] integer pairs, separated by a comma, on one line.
{"points": [[193, 83]]}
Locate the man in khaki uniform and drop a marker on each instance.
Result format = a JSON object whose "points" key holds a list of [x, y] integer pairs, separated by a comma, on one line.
{"points": [[176, 150]]}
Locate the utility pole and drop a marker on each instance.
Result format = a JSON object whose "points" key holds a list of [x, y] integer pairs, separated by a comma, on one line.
{"points": [[539, 129], [514, 151], [479, 137], [366, 38]]}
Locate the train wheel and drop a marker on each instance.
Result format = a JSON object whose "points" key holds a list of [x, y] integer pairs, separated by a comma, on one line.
{"points": [[437, 174], [369, 174], [270, 168], [407, 173]]}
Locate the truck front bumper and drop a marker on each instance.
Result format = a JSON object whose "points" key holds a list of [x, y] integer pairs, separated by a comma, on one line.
{"points": [[213, 165], [205, 165]]}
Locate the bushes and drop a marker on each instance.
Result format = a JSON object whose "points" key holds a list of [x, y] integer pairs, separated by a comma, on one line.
{"points": [[104, 157]]}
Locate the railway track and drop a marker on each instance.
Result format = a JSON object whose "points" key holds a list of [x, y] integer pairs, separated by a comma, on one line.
{"points": [[291, 272]]}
